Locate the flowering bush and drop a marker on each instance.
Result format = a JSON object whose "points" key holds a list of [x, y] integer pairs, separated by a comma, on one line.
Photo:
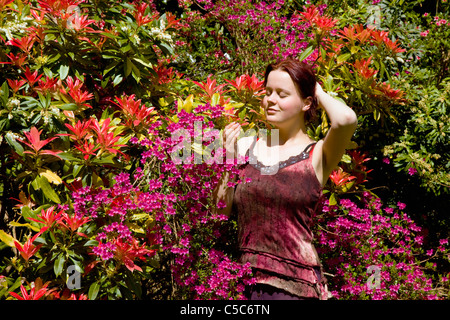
{"points": [[110, 124], [373, 237], [250, 34], [169, 205]]}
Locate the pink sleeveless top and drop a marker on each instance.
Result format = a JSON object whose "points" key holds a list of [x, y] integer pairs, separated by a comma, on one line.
{"points": [[275, 211]]}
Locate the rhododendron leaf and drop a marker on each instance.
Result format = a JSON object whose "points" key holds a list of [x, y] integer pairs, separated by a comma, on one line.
{"points": [[306, 53], [143, 62], [140, 216], [5, 92], [28, 213], [63, 71], [50, 175], [7, 239], [332, 200], [68, 106], [136, 73], [215, 99], [128, 66], [376, 114], [59, 265], [105, 160], [17, 224], [48, 191], [117, 79], [346, 158], [343, 57], [110, 66], [136, 228], [348, 185], [242, 114], [166, 48], [14, 144], [67, 156], [91, 243], [93, 290]]}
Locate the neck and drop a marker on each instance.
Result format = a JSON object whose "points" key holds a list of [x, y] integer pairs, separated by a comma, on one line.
{"points": [[292, 134]]}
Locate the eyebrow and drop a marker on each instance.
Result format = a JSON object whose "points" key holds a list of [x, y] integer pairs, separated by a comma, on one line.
{"points": [[278, 89]]}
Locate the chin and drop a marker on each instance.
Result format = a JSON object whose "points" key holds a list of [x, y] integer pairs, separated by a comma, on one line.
{"points": [[272, 120]]}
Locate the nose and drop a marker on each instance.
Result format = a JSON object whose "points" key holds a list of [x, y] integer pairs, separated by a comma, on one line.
{"points": [[271, 99]]}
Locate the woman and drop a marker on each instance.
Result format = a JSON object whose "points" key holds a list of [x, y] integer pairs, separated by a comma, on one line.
{"points": [[275, 209]]}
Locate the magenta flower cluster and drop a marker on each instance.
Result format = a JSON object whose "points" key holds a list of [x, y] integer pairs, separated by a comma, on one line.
{"points": [[358, 234], [112, 209], [177, 200], [265, 20]]}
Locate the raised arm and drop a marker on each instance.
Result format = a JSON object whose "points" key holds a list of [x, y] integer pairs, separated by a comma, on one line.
{"points": [[329, 151]]}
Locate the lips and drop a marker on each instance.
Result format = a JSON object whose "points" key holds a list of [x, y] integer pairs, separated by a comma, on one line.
{"points": [[271, 111]]}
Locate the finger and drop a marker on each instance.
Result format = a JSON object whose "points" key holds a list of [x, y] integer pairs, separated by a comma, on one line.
{"points": [[233, 124], [232, 134], [232, 128]]}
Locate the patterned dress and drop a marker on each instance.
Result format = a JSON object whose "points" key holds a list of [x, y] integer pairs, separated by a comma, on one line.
{"points": [[275, 212]]}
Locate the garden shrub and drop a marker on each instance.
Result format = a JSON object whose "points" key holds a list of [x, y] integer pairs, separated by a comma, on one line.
{"points": [[103, 197]]}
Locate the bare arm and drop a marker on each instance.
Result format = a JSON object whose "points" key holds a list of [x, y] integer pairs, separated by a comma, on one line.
{"points": [[343, 124], [223, 193]]}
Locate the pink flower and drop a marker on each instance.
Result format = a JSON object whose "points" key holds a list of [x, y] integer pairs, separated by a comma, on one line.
{"points": [[401, 205], [412, 171]]}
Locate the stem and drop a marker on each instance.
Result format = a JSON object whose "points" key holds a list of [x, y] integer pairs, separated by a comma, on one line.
{"points": [[3, 225]]}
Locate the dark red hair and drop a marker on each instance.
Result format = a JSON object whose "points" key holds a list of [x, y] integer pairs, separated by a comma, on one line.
{"points": [[304, 79]]}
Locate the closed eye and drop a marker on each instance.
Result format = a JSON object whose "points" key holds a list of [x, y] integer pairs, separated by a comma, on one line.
{"points": [[281, 93]]}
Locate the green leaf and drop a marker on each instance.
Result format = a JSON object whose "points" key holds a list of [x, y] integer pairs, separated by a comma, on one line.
{"points": [[47, 189], [68, 156], [305, 54], [14, 144], [110, 67], [346, 158], [128, 67], [105, 160], [136, 73], [343, 57], [5, 92], [90, 243], [108, 35], [28, 213], [45, 101], [68, 106], [332, 200], [117, 79], [166, 48], [59, 265], [6, 238], [143, 62], [17, 224], [93, 290], [215, 99], [76, 169], [63, 71]]}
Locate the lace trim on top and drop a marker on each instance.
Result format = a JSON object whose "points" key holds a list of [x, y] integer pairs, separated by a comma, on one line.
{"points": [[255, 163]]}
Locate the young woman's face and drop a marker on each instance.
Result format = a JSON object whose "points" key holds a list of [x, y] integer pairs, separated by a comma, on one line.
{"points": [[282, 103]]}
